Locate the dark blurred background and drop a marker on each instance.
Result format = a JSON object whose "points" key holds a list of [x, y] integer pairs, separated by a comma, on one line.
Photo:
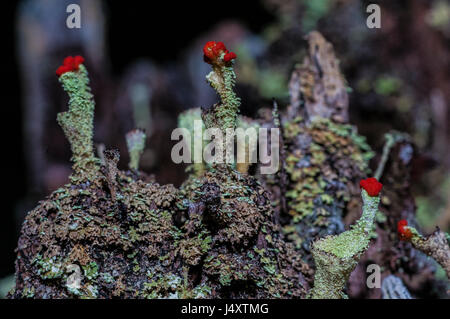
{"points": [[145, 63]]}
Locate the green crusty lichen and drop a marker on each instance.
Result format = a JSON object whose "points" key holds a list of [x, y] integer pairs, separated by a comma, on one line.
{"points": [[78, 123], [336, 256], [230, 233], [230, 229]]}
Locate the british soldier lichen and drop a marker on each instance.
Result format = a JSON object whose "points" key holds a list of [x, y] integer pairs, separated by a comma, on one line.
{"points": [[337, 256], [78, 122], [435, 245], [222, 78], [111, 234], [404, 232]]}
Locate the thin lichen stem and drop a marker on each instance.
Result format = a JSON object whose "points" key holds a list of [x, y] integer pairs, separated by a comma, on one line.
{"points": [[369, 210], [224, 114], [78, 122], [222, 79], [392, 138]]}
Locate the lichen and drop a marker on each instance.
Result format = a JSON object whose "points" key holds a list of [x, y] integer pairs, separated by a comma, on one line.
{"points": [[323, 158], [336, 256], [136, 144], [77, 123]]}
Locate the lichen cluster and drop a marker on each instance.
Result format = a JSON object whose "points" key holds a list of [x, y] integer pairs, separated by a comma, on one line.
{"points": [[223, 233], [324, 156], [116, 244], [232, 212], [110, 233]]}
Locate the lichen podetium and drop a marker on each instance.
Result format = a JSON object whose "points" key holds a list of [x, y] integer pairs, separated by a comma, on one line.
{"points": [[222, 115], [78, 122], [135, 144], [337, 256], [435, 245]]}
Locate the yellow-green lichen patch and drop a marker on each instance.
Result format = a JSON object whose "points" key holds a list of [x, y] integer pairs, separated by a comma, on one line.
{"points": [[344, 246]]}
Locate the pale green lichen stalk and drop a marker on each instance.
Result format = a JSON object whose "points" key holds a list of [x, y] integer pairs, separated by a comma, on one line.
{"points": [[222, 79], [78, 123], [337, 256], [187, 120], [392, 138], [135, 144]]}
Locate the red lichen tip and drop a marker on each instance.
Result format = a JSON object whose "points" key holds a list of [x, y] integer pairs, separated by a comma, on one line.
{"points": [[371, 186], [403, 231], [70, 64], [229, 56], [212, 51], [208, 49]]}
